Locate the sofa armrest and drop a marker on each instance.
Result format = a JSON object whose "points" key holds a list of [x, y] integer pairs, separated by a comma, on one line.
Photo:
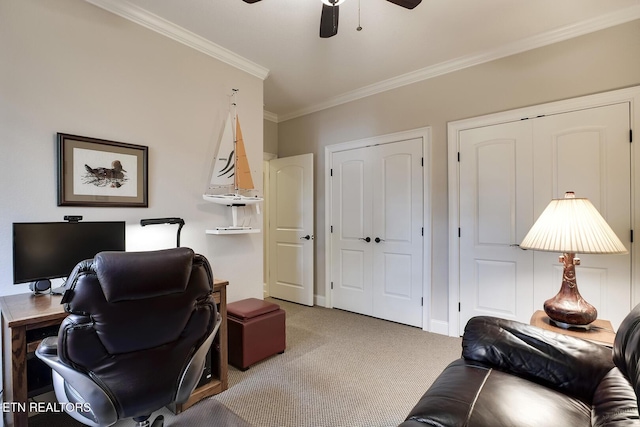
{"points": [[571, 365]]}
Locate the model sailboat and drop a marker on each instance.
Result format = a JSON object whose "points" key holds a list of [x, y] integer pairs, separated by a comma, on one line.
{"points": [[231, 172]]}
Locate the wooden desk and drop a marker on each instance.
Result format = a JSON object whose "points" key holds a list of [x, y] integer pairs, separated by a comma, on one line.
{"points": [[600, 331], [26, 316]]}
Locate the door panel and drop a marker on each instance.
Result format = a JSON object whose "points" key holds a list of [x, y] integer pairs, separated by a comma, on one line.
{"points": [[291, 219], [496, 203], [588, 152], [351, 220], [496, 292], [397, 223]]}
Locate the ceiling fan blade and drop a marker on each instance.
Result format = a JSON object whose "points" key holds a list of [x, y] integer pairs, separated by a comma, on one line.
{"points": [[251, 1], [329, 21], [409, 4]]}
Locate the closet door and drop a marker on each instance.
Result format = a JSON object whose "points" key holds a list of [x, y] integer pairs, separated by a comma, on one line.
{"points": [[496, 211], [397, 227], [351, 239], [376, 243], [587, 152], [508, 175]]}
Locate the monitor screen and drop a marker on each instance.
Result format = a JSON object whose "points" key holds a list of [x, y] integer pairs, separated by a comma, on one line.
{"points": [[50, 250]]}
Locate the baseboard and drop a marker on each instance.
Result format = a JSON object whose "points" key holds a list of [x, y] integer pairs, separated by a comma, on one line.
{"points": [[439, 327], [319, 300]]}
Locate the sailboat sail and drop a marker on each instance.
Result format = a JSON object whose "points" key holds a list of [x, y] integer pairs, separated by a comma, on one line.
{"points": [[243, 179], [224, 165], [231, 169]]}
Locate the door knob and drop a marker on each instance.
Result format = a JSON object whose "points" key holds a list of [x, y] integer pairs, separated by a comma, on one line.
{"points": [[366, 239], [378, 240], [307, 237]]}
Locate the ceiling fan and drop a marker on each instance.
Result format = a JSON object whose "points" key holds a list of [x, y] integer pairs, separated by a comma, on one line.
{"points": [[329, 16]]}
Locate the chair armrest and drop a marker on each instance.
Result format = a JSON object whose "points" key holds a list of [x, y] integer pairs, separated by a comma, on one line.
{"points": [[571, 365], [49, 346], [76, 387], [193, 372]]}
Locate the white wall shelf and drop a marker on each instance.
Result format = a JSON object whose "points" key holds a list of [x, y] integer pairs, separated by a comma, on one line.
{"points": [[227, 231]]}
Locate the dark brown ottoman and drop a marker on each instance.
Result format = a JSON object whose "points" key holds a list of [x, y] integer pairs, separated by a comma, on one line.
{"points": [[256, 331]]}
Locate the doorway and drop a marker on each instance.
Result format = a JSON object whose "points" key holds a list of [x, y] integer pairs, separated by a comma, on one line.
{"points": [[378, 236], [291, 229]]}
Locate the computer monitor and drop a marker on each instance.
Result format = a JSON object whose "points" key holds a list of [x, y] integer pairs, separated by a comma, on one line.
{"points": [[50, 250]]}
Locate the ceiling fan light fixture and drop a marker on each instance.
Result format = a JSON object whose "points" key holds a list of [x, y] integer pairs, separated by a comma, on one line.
{"points": [[333, 2]]}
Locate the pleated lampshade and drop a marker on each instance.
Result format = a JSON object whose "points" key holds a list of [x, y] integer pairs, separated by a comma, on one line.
{"points": [[572, 225]]}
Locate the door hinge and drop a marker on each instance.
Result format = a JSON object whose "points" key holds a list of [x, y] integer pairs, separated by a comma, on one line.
{"points": [[332, 228], [630, 135], [422, 232], [458, 307], [422, 162], [631, 236], [331, 172], [422, 302], [458, 156], [459, 232], [331, 285]]}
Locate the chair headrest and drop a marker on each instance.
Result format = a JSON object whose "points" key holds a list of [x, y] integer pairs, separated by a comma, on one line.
{"points": [[626, 348], [138, 275]]}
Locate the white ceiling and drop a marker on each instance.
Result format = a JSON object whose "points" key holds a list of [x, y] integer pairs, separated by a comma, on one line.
{"points": [[396, 46]]}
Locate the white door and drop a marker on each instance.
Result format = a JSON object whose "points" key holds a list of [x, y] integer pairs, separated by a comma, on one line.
{"points": [[587, 152], [377, 211], [351, 231], [496, 211], [508, 175], [291, 228]]}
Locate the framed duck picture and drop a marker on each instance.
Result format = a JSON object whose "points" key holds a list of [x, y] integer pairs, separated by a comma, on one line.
{"points": [[97, 172]]}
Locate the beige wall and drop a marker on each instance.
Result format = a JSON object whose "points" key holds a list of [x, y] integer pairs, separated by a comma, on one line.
{"points": [[68, 66], [270, 137], [598, 62]]}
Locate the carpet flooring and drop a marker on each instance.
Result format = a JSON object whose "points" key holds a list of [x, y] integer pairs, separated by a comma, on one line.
{"points": [[340, 369]]}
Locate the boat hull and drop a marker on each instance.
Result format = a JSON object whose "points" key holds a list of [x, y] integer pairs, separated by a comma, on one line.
{"points": [[231, 199]]}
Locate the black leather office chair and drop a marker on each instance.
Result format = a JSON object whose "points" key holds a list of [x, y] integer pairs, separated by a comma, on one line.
{"points": [[136, 338]]}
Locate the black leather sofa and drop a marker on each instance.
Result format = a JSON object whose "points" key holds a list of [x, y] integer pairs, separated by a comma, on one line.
{"points": [[513, 374]]}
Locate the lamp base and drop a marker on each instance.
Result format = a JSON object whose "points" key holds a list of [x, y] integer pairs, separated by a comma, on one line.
{"points": [[569, 326], [568, 307]]}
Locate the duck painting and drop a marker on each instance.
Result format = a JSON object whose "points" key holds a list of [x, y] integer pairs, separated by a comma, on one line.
{"points": [[101, 176]]}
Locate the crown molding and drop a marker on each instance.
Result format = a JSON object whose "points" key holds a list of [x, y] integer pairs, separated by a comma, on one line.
{"points": [[155, 23], [561, 34], [272, 117]]}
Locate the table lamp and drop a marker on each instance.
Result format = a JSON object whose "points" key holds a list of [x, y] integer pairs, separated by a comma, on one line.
{"points": [[569, 226]]}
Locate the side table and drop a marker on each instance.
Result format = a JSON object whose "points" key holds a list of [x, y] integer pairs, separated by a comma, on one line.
{"points": [[599, 332]]}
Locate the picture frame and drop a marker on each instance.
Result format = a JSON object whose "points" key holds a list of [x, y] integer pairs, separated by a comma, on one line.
{"points": [[100, 173]]}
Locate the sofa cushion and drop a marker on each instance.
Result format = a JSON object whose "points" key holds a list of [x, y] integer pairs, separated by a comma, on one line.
{"points": [[472, 394], [565, 363], [626, 348], [614, 402]]}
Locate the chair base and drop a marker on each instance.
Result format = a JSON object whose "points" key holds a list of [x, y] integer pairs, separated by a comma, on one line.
{"points": [[158, 422]]}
